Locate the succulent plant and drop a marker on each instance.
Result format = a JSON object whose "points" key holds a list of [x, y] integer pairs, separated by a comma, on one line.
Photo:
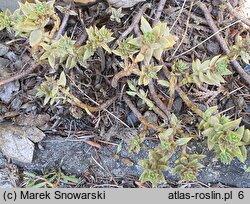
{"points": [[241, 48], [148, 72], [98, 38], [31, 18], [50, 89], [154, 41], [153, 167], [210, 71], [187, 166], [5, 20], [126, 50], [224, 136], [116, 14], [62, 49]]}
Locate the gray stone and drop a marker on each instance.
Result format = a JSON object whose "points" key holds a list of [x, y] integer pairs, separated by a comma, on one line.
{"points": [[11, 5], [3, 49], [78, 158], [16, 141], [177, 105], [231, 175], [16, 103], [8, 90], [213, 48], [3, 63], [12, 56]]}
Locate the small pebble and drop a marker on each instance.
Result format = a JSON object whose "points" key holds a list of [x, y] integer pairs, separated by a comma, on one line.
{"points": [[213, 48], [132, 119], [127, 162], [248, 109], [151, 117], [177, 105], [16, 103], [12, 56], [247, 68], [8, 91]]}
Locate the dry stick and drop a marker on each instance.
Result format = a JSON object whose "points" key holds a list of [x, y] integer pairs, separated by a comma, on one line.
{"points": [[182, 94], [131, 69], [159, 11], [93, 101], [186, 29], [188, 102], [77, 102], [173, 82], [160, 113], [235, 13], [64, 22], [179, 14], [19, 75], [135, 21], [222, 42], [156, 99], [214, 34], [139, 115], [84, 35]]}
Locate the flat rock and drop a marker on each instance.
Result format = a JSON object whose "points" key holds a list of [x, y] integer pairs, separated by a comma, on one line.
{"points": [[16, 141], [32, 120], [78, 158], [231, 175]]}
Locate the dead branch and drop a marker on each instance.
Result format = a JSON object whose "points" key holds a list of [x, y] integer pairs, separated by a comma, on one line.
{"points": [[130, 70], [135, 21], [222, 42], [156, 99], [182, 94], [64, 22], [74, 100], [159, 11], [19, 75], [139, 115], [236, 14]]}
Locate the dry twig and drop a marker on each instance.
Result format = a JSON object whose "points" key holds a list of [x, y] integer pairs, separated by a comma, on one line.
{"points": [[186, 29], [222, 42], [156, 99], [64, 22], [179, 14], [74, 100], [19, 75], [135, 21], [236, 14], [139, 115], [159, 11], [182, 94], [130, 70]]}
